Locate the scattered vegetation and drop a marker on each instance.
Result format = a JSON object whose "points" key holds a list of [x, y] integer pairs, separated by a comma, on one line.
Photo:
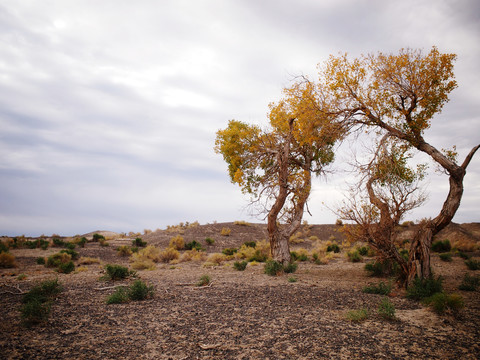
{"points": [[98, 238], [37, 302], [275, 268], [333, 248], [386, 309], [354, 256], [124, 250], [469, 283], [424, 288], [138, 242], [204, 280], [473, 264], [194, 245], [441, 302], [447, 257], [441, 246], [381, 288], [240, 265], [241, 223], [117, 272], [209, 241], [135, 292], [177, 243], [382, 268], [62, 261], [7, 260], [357, 315], [225, 231]]}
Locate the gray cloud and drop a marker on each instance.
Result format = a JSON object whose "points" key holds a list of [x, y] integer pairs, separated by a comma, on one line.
{"points": [[108, 110]]}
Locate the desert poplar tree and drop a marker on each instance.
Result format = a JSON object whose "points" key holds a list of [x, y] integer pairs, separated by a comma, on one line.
{"points": [[275, 166], [399, 95]]}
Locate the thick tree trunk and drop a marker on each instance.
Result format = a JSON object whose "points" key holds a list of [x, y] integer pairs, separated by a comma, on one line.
{"points": [[280, 248]]}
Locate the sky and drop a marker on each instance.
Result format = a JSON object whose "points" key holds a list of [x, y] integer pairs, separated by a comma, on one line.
{"points": [[109, 109]]}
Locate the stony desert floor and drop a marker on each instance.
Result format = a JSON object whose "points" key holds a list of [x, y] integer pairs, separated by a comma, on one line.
{"points": [[240, 315]]}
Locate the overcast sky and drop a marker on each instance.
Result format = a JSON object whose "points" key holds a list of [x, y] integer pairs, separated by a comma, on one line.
{"points": [[109, 108]]}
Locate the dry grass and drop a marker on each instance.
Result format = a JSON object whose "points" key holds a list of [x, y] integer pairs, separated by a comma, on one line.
{"points": [[193, 255], [177, 243], [88, 260], [225, 231], [7, 260]]}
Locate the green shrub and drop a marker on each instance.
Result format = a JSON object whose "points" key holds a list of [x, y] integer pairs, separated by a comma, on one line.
{"points": [[424, 288], [229, 251], [357, 315], [138, 242], [469, 283], [70, 245], [441, 302], [3, 247], [41, 260], [273, 268], [117, 272], [209, 241], [204, 280], [333, 248], [258, 256], [66, 268], [382, 268], [251, 244], [290, 268], [120, 296], [194, 245], [81, 242], [292, 279], [140, 291], [354, 256], [386, 309], [240, 266], [74, 255], [472, 264], [298, 257], [363, 251], [59, 258], [381, 288], [124, 250], [58, 242], [446, 257], [37, 302], [98, 237], [464, 255], [441, 246]]}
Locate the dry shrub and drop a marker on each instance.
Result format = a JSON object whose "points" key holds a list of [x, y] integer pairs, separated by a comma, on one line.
{"points": [[81, 269], [88, 261], [169, 254], [319, 253], [297, 238], [177, 242], [124, 250], [7, 260], [193, 255], [146, 258], [225, 231], [245, 252], [464, 245], [216, 258], [241, 223], [143, 264]]}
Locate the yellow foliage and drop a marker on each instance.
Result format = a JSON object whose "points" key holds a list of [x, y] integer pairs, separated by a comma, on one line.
{"points": [[245, 252], [216, 258], [7, 260], [149, 253], [177, 242], [169, 254], [143, 264], [225, 231], [193, 255], [124, 250]]}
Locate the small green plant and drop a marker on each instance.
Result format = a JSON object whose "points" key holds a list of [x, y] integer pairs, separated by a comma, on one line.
{"points": [[290, 268], [140, 291], [117, 272], [66, 268], [204, 280], [442, 302], [81, 241], [120, 296], [98, 237], [209, 241], [74, 255], [21, 277], [363, 250], [469, 283], [357, 315], [229, 251], [138, 242], [424, 288], [37, 302], [298, 257], [386, 309], [464, 255], [194, 245], [333, 248], [258, 256], [251, 244], [58, 242], [292, 279], [70, 246], [41, 260], [124, 250], [472, 264], [273, 268], [441, 246], [240, 266], [446, 257], [381, 288], [382, 268], [354, 256]]}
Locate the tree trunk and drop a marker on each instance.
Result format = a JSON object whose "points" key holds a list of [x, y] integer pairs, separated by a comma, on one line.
{"points": [[280, 247]]}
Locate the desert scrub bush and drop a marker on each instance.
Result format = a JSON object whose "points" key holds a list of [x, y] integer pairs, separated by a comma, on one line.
{"points": [[98, 237], [7, 260], [177, 242], [339, 222], [447, 257], [424, 288], [37, 302], [386, 309], [66, 268], [382, 268], [299, 255], [57, 242], [216, 258], [117, 272], [194, 245], [381, 288], [143, 264], [146, 258], [209, 241], [357, 315], [441, 246], [251, 244], [204, 280], [290, 268], [333, 248], [73, 254], [441, 302], [229, 251], [138, 242], [465, 245], [464, 255], [273, 268], [469, 283], [59, 258], [80, 241], [472, 264], [119, 296], [140, 291], [169, 254], [241, 223], [40, 260], [258, 256], [240, 265], [354, 256], [296, 238], [4, 246], [124, 250], [193, 255], [363, 250], [292, 279], [225, 231]]}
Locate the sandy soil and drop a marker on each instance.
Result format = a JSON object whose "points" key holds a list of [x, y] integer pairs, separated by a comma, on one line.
{"points": [[242, 315]]}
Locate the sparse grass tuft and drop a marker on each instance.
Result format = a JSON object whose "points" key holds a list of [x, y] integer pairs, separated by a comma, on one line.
{"points": [[441, 246], [240, 266], [386, 309], [354, 256], [441, 302], [381, 288], [473, 264], [469, 283], [225, 231], [424, 288], [447, 257], [357, 315], [209, 241], [204, 280]]}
